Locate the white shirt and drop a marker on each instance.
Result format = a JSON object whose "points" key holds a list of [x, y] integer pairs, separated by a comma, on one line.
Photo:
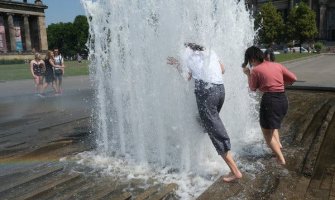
{"points": [[204, 65], [58, 60]]}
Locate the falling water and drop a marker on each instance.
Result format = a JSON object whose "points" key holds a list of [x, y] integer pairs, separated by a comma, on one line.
{"points": [[145, 111]]}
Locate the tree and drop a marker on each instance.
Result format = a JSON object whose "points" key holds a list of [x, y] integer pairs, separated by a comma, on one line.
{"points": [[81, 27], [70, 38], [301, 24], [269, 23]]}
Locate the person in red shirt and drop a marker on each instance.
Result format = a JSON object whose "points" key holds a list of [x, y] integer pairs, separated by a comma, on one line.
{"points": [[269, 78]]}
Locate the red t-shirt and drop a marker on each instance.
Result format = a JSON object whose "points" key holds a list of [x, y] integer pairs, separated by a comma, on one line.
{"points": [[270, 77]]}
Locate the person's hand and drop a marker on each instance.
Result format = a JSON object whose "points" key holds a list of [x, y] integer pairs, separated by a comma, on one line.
{"points": [[34, 77], [172, 61], [246, 70]]}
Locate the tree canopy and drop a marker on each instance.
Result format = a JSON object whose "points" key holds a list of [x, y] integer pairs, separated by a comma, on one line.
{"points": [[269, 24], [70, 38], [301, 24]]}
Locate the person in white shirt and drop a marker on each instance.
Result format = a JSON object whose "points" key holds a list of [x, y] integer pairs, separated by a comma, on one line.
{"points": [[205, 68], [58, 70]]}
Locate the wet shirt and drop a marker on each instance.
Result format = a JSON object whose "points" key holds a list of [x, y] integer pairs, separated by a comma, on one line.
{"points": [[204, 65], [270, 77]]}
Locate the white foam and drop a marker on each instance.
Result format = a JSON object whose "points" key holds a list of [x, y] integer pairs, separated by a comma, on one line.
{"points": [[145, 113]]}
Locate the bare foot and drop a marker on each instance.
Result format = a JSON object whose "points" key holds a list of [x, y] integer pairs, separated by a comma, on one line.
{"points": [[281, 162], [231, 177]]}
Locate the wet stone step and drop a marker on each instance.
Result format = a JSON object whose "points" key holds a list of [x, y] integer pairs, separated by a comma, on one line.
{"points": [[48, 187], [148, 192], [164, 192], [26, 178]]}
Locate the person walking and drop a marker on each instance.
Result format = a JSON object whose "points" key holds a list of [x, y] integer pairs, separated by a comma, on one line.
{"points": [[37, 69], [204, 66], [59, 70], [269, 78], [269, 54]]}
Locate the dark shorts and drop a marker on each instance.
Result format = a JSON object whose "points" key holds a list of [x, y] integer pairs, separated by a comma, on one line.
{"points": [[49, 78], [273, 109]]}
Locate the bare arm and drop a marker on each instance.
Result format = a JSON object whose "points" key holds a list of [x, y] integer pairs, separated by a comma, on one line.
{"points": [[174, 62], [31, 69], [222, 68], [51, 61]]}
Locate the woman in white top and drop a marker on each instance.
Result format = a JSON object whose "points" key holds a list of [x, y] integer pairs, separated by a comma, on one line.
{"points": [[205, 67]]}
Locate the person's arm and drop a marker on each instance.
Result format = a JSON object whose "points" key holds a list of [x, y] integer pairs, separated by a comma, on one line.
{"points": [[174, 62], [222, 67], [32, 70], [252, 79], [52, 63], [289, 77]]}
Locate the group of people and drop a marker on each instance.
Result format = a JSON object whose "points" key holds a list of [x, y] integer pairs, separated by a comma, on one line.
{"points": [[48, 72], [270, 78]]}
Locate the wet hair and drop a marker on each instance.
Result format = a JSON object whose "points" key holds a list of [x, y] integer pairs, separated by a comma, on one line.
{"points": [[253, 53], [194, 46]]}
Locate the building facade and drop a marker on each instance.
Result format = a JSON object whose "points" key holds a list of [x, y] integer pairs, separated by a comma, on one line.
{"points": [[22, 26], [324, 9]]}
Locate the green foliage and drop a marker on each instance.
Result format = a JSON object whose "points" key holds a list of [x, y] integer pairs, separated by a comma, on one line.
{"points": [[301, 24], [270, 24], [318, 46], [22, 71], [70, 38], [9, 62]]}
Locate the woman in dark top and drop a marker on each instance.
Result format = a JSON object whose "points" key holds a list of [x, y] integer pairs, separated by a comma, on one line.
{"points": [[49, 71]]}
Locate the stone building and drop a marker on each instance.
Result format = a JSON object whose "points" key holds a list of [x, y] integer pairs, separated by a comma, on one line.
{"points": [[324, 9], [22, 26]]}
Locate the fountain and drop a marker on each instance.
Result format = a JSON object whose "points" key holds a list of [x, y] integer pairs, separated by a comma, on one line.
{"points": [[145, 112]]}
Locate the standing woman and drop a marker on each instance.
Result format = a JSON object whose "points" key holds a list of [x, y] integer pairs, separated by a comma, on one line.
{"points": [[270, 78], [49, 71], [205, 68], [58, 70], [37, 69]]}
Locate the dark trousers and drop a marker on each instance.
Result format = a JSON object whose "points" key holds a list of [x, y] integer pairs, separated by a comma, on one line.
{"points": [[210, 98]]}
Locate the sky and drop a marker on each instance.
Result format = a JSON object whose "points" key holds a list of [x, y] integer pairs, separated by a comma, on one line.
{"points": [[61, 10]]}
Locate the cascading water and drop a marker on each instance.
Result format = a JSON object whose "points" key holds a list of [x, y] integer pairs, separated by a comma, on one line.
{"points": [[145, 111]]}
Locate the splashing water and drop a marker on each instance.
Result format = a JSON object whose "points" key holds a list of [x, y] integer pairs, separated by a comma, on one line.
{"points": [[145, 112]]}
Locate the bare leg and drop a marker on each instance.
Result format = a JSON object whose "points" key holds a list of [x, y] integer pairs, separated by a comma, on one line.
{"points": [[235, 172], [276, 134], [54, 86], [36, 81], [57, 85], [273, 144]]}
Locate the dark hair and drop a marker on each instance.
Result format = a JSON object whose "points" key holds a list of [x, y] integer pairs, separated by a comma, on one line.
{"points": [[194, 46], [253, 53]]}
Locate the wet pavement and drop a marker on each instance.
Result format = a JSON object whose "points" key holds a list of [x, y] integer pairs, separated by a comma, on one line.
{"points": [[36, 132]]}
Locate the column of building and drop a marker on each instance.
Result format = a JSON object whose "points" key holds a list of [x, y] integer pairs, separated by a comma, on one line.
{"points": [[43, 41], [11, 31], [27, 32]]}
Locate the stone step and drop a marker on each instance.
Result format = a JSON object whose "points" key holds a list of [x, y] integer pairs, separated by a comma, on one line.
{"points": [[314, 147], [164, 192], [148, 192], [25, 178], [48, 187], [68, 191], [123, 196]]}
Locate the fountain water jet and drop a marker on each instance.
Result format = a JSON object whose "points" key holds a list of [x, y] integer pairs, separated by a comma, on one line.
{"points": [[145, 111]]}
